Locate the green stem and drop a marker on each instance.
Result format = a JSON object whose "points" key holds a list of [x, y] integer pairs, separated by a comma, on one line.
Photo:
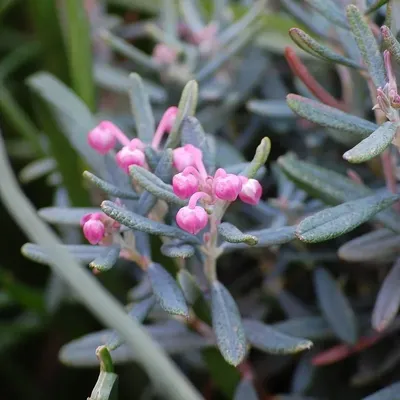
{"points": [[149, 354]]}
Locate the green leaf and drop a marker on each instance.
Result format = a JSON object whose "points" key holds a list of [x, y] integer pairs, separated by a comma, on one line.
{"points": [[270, 108], [177, 250], [166, 290], [73, 115], [193, 133], [138, 311], [376, 246], [330, 11], [189, 286], [227, 324], [232, 234], [388, 393], [336, 221], [109, 188], [259, 159], [330, 117], [388, 301], [81, 252], [266, 237], [65, 215], [311, 46], [391, 43], [375, 6], [79, 50], [135, 221], [245, 391], [107, 260], [187, 108], [367, 44], [373, 145], [335, 306], [331, 187], [141, 109], [268, 339]]}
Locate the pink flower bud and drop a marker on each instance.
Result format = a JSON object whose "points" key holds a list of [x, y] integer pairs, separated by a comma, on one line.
{"points": [[192, 220], [186, 156], [185, 185], [164, 54], [251, 191], [94, 230], [127, 157], [136, 144], [102, 138], [226, 186]]}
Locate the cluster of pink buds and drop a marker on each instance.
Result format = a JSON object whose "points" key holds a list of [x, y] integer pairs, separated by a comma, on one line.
{"points": [[192, 181], [388, 98], [103, 139], [98, 228]]}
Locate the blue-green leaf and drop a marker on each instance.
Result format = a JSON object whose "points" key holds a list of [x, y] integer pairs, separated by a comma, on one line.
{"points": [[373, 145], [367, 44], [65, 215], [177, 250], [245, 391], [333, 222], [227, 324], [135, 221], [388, 393], [268, 339], [335, 306], [107, 260], [330, 117], [189, 286], [166, 290], [232, 234], [259, 159], [330, 11]]}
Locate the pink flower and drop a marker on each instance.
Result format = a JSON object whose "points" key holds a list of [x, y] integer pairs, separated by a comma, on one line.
{"points": [[165, 125], [102, 138], [226, 186], [251, 191], [186, 156], [184, 185], [127, 157], [94, 230], [164, 54], [192, 220]]}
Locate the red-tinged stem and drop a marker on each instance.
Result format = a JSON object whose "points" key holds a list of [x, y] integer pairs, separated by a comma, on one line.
{"points": [[354, 176], [343, 351], [300, 70]]}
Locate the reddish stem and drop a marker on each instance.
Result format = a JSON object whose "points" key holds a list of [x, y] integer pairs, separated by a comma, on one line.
{"points": [[300, 70]]}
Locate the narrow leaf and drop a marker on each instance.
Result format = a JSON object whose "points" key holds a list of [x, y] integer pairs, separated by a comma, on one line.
{"points": [[391, 43], [313, 328], [107, 260], [375, 6], [177, 250], [141, 109], [378, 246], [193, 133], [37, 169], [135, 221], [259, 159], [367, 44], [388, 301], [311, 46], [330, 11], [333, 222], [138, 311], [266, 237], [187, 108], [109, 188], [388, 393], [227, 324], [166, 290], [82, 253], [245, 391], [270, 340], [270, 108], [232, 234], [335, 306], [330, 117], [189, 286], [65, 215], [331, 187], [373, 145]]}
